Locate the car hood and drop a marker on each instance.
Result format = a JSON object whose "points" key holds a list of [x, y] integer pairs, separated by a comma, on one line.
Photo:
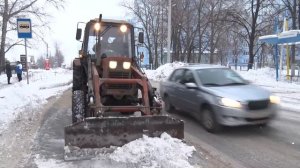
{"points": [[240, 92]]}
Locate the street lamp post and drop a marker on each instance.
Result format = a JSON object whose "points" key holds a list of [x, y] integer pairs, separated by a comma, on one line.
{"points": [[169, 30], [46, 47]]}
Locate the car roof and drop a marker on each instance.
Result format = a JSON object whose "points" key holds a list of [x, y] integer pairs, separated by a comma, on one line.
{"points": [[201, 66]]}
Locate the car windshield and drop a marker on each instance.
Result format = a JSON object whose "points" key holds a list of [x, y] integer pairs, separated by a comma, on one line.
{"points": [[220, 77], [113, 42]]}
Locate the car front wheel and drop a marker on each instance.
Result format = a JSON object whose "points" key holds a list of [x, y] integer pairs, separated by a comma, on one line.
{"points": [[209, 121], [168, 106]]}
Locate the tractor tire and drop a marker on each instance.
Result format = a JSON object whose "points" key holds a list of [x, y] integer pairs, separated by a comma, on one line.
{"points": [[78, 78], [168, 106], [209, 121], [78, 106]]}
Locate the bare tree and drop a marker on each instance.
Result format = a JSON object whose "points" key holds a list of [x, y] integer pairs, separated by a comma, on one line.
{"points": [[12, 9], [215, 14], [185, 27], [216, 25], [202, 25], [253, 20], [58, 56], [189, 30], [148, 14], [40, 62], [177, 20], [291, 6]]}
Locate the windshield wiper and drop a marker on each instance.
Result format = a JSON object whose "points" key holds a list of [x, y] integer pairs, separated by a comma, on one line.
{"points": [[105, 30], [234, 83], [211, 84]]}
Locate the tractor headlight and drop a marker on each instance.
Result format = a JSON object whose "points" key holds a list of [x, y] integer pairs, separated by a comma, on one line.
{"points": [[126, 65], [112, 64], [230, 103], [97, 26], [274, 99], [123, 28]]}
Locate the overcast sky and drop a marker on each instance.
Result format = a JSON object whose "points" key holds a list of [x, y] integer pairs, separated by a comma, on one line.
{"points": [[64, 26]]}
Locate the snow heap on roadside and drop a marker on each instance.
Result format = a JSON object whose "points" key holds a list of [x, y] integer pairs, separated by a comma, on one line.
{"points": [[255, 75], [163, 71], [147, 152], [20, 96], [266, 77], [155, 152]]}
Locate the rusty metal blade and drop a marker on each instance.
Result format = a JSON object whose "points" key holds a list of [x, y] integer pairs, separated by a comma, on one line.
{"points": [[117, 131]]}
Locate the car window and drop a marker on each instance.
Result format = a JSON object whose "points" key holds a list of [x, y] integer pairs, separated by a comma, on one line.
{"points": [[219, 77], [188, 77], [177, 75]]}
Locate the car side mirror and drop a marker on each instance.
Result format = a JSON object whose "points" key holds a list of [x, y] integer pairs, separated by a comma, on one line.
{"points": [[141, 37], [78, 34], [191, 85]]}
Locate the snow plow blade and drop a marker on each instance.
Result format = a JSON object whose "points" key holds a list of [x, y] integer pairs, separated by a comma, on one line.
{"points": [[117, 131]]}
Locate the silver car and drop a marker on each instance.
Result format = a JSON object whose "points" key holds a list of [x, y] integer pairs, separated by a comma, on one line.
{"points": [[217, 96]]}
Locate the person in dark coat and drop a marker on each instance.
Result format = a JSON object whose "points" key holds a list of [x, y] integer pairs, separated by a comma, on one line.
{"points": [[8, 72]]}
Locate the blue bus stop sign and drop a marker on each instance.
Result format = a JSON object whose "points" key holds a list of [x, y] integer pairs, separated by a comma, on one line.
{"points": [[24, 28]]}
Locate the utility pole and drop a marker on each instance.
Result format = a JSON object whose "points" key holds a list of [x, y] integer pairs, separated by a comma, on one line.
{"points": [[169, 30], [47, 50], [47, 56]]}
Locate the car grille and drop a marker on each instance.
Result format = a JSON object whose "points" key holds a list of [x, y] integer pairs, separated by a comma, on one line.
{"points": [[119, 74], [258, 105]]}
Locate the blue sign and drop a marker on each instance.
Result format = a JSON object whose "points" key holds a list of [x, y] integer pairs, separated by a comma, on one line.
{"points": [[24, 28]]}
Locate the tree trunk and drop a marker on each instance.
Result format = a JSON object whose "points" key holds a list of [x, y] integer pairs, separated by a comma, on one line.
{"points": [[199, 35], [156, 55], [200, 49], [3, 33], [299, 14], [173, 55], [251, 54], [211, 44], [161, 38], [294, 26], [149, 50]]}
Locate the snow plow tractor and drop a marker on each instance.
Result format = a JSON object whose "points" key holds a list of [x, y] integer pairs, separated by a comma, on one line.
{"points": [[113, 101]]}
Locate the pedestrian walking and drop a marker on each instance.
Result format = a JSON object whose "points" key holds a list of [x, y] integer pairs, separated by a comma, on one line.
{"points": [[19, 70], [8, 71]]}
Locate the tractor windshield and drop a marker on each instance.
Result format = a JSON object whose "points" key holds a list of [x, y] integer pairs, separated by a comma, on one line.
{"points": [[114, 41]]}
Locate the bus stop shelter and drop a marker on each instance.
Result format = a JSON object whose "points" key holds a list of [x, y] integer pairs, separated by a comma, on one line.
{"points": [[289, 37]]}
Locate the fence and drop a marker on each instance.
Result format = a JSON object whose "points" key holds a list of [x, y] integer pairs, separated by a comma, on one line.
{"points": [[241, 66]]}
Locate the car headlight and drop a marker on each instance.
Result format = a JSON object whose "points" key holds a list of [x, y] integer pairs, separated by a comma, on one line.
{"points": [[126, 65], [274, 99], [112, 64], [230, 103]]}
